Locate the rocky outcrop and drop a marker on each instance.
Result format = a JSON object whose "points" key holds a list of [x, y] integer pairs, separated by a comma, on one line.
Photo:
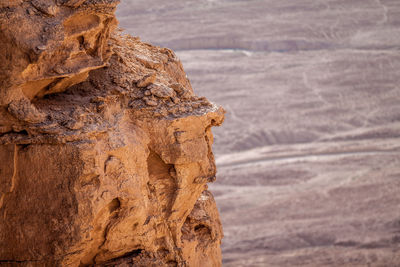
{"points": [[105, 151], [48, 46]]}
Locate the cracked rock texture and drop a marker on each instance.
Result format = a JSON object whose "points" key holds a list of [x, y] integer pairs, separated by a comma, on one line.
{"points": [[105, 151]]}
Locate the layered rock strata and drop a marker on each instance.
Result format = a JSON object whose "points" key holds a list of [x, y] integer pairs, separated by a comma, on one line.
{"points": [[105, 151]]}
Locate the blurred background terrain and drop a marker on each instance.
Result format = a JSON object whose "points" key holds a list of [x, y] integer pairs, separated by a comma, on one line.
{"points": [[309, 154]]}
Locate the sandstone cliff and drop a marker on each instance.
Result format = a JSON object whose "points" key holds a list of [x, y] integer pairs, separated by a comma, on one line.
{"points": [[105, 151]]}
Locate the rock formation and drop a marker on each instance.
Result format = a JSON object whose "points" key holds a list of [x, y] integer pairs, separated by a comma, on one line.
{"points": [[105, 151]]}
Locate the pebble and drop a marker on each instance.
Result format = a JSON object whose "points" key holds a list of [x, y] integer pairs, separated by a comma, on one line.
{"points": [[150, 102], [58, 69], [179, 89], [74, 125], [161, 91], [196, 105], [146, 80], [45, 7], [41, 47]]}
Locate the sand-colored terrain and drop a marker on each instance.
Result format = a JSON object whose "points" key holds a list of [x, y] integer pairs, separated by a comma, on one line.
{"points": [[309, 154]]}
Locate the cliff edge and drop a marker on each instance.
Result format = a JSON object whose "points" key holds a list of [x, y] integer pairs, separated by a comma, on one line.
{"points": [[105, 151]]}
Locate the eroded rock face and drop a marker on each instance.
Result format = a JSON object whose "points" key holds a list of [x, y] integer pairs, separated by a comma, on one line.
{"points": [[109, 171], [48, 46]]}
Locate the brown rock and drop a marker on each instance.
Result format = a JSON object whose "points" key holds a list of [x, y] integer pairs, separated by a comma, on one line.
{"points": [[91, 176], [47, 7], [23, 110], [150, 102], [161, 91], [146, 80], [181, 91], [178, 88]]}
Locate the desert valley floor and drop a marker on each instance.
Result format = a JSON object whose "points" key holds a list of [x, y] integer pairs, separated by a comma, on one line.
{"points": [[309, 155]]}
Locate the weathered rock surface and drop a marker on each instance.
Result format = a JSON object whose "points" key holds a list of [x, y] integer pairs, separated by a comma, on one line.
{"points": [[48, 46], [105, 151]]}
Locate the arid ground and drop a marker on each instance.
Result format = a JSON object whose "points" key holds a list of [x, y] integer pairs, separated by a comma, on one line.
{"points": [[309, 154]]}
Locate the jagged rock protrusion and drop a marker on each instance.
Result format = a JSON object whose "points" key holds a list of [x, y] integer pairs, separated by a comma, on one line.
{"points": [[48, 46]]}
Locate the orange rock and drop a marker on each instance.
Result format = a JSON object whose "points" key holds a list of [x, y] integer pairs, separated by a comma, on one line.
{"points": [[146, 80], [93, 174]]}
